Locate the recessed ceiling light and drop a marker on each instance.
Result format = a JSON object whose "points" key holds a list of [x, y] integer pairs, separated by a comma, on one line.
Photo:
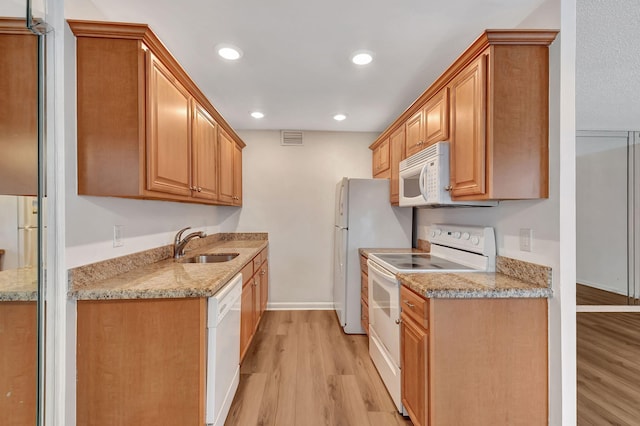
{"points": [[257, 114], [362, 57], [229, 52], [339, 117]]}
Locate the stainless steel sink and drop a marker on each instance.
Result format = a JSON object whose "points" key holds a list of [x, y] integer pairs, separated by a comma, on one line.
{"points": [[210, 258]]}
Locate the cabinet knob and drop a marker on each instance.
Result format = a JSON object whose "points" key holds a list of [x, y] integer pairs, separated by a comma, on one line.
{"points": [[398, 321], [199, 189], [193, 188], [448, 188]]}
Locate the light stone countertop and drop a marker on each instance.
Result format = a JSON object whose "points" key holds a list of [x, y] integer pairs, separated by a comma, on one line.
{"points": [[472, 285], [19, 284], [171, 279]]}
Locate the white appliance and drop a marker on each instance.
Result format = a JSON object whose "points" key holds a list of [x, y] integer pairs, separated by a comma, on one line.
{"points": [[425, 181], [454, 248], [28, 232], [223, 356], [364, 218]]}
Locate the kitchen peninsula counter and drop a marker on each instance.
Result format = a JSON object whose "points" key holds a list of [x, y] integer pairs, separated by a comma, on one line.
{"points": [[155, 274]]}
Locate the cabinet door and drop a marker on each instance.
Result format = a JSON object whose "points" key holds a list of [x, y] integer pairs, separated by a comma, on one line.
{"points": [[381, 160], [257, 290], [226, 146], [415, 370], [468, 134], [168, 132], [264, 289], [18, 117], [414, 134], [436, 118], [205, 155], [397, 153], [246, 317], [237, 175]]}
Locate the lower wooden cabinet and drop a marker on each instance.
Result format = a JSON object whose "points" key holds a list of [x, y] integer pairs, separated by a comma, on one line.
{"points": [[141, 362], [364, 294], [415, 370], [474, 361], [255, 294]]}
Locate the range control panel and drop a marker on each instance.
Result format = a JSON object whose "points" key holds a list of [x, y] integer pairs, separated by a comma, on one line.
{"points": [[475, 239]]}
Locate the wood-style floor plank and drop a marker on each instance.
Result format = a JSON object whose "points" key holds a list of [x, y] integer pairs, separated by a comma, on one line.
{"points": [[301, 369]]}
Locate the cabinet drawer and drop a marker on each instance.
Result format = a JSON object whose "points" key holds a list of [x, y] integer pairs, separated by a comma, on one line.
{"points": [[415, 306], [363, 264], [364, 287]]}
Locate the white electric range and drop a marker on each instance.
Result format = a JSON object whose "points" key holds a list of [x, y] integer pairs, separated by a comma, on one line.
{"points": [[454, 248]]}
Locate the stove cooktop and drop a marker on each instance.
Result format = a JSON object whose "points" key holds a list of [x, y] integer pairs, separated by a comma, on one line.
{"points": [[416, 262]]}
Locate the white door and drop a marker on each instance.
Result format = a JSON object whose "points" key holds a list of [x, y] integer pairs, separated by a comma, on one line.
{"points": [[384, 309]]}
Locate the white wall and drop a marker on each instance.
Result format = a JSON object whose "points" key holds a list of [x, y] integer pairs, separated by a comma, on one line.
{"points": [[289, 192], [601, 212]]}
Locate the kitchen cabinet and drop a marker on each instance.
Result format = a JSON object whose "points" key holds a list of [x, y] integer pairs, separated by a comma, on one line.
{"points": [[141, 361], [230, 170], [474, 361], [255, 293], [18, 109], [492, 105], [428, 125], [145, 130], [364, 294], [397, 141], [381, 157], [18, 362], [237, 175], [205, 154]]}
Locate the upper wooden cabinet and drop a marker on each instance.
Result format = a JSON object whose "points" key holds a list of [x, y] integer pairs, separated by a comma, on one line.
{"points": [[18, 109], [230, 170], [237, 175], [381, 156], [429, 125], [492, 104], [397, 142], [145, 130]]}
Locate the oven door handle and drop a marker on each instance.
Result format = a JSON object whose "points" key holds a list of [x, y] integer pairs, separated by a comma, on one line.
{"points": [[380, 271]]}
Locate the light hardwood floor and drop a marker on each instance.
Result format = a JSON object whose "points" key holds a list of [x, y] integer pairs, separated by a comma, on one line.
{"points": [[586, 295], [608, 357], [301, 369]]}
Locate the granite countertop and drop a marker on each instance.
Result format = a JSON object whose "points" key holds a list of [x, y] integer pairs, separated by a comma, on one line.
{"points": [[472, 285], [169, 278], [19, 284]]}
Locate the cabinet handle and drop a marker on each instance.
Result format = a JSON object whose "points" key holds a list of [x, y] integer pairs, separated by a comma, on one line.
{"points": [[193, 188], [411, 305], [420, 143]]}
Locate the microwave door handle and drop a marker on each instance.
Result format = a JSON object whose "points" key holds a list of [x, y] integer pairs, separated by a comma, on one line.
{"points": [[421, 182]]}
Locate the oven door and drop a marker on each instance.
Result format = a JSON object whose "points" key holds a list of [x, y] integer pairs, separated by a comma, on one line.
{"points": [[384, 309]]}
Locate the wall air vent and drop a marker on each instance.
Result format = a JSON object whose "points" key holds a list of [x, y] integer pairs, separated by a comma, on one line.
{"points": [[291, 138]]}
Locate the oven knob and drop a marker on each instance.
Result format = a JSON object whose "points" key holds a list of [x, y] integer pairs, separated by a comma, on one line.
{"points": [[465, 235], [475, 240], [456, 235], [436, 232]]}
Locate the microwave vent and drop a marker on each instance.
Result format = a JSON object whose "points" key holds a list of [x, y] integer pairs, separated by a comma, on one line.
{"points": [[431, 151], [291, 138]]}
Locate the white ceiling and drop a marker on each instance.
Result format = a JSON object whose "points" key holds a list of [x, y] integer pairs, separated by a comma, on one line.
{"points": [[296, 66]]}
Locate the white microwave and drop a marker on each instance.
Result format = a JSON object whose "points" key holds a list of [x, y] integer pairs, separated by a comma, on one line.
{"points": [[424, 180]]}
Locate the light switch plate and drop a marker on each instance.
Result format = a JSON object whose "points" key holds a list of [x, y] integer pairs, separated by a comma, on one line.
{"points": [[525, 239], [117, 236]]}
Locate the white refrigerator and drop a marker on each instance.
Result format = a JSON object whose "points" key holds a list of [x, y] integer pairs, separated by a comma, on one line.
{"points": [[364, 218]]}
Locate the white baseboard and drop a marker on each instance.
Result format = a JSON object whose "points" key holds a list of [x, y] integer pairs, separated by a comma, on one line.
{"points": [[601, 286], [299, 306]]}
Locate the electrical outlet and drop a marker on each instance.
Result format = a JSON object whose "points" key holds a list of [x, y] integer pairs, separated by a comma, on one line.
{"points": [[525, 239], [117, 236]]}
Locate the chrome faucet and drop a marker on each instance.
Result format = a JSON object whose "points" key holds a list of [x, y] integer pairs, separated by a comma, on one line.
{"points": [[179, 243]]}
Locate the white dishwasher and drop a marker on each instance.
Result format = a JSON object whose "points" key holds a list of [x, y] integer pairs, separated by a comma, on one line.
{"points": [[223, 363]]}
